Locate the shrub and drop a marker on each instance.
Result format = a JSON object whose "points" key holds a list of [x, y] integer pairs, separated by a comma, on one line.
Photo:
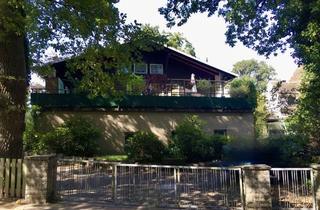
{"points": [[204, 86], [144, 147], [136, 85], [191, 143], [185, 138], [281, 151], [76, 137]]}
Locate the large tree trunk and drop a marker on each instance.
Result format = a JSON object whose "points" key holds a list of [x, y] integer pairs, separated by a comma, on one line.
{"points": [[12, 86]]}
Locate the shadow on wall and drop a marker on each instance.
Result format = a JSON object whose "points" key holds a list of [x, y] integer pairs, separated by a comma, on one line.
{"points": [[115, 125]]}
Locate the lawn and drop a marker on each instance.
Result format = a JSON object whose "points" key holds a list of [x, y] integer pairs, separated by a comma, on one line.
{"points": [[113, 158]]}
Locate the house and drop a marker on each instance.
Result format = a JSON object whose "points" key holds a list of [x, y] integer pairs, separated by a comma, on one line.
{"points": [[176, 85], [282, 101]]}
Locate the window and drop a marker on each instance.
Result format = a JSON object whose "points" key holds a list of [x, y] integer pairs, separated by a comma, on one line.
{"points": [[156, 69], [222, 132], [140, 68]]}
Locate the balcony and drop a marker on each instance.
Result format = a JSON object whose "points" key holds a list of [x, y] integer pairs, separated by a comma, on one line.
{"points": [[164, 87]]}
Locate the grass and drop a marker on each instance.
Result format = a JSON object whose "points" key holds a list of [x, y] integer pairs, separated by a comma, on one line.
{"points": [[113, 158]]}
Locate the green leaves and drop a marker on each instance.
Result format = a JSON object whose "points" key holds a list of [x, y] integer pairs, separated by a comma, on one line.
{"points": [[260, 72], [268, 26]]}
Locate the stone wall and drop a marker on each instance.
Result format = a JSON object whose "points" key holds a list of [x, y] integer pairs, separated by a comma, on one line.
{"points": [[40, 175], [116, 124]]}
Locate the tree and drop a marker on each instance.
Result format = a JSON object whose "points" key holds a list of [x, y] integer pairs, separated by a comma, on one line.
{"points": [[178, 41], [305, 120], [13, 70], [175, 39], [261, 72], [89, 30], [245, 87], [265, 26]]}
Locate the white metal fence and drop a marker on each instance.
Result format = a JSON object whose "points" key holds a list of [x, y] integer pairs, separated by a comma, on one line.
{"points": [[177, 186], [153, 185], [292, 188]]}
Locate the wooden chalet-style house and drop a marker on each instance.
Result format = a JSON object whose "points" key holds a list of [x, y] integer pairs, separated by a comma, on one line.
{"points": [[176, 84]]}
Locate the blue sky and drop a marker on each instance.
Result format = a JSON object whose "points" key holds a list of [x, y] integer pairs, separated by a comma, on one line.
{"points": [[206, 35]]}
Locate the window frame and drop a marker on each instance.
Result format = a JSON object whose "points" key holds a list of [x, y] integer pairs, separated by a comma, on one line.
{"points": [[156, 64], [222, 132], [146, 68]]}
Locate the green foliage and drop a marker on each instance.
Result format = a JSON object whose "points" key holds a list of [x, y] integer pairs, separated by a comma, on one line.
{"points": [[175, 39], [306, 119], [260, 72], [76, 137], [265, 26], [281, 151], [136, 85], [144, 147], [260, 116], [113, 158], [192, 144], [178, 41], [290, 150], [244, 88], [204, 86]]}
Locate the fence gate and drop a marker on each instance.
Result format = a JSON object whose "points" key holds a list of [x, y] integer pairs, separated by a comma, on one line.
{"points": [[152, 185]]}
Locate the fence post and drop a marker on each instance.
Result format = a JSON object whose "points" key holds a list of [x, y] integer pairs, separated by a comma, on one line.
{"points": [[114, 182], [256, 187], [315, 176], [41, 174]]}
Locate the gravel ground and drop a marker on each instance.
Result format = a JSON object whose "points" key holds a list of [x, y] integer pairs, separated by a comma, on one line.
{"points": [[20, 205]]}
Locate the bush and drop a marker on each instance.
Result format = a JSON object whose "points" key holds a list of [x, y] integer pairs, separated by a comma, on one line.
{"points": [[76, 137], [204, 86], [282, 151], [192, 144], [144, 147]]}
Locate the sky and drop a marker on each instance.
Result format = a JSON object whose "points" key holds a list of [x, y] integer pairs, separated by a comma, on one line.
{"points": [[207, 36]]}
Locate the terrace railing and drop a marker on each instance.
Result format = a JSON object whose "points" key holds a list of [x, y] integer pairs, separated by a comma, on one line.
{"points": [[168, 87]]}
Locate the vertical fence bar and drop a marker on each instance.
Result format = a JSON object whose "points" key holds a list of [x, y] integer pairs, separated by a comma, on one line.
{"points": [[2, 176], [13, 177], [7, 178], [114, 182], [19, 178]]}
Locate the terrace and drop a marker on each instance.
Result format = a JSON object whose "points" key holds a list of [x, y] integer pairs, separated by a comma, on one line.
{"points": [[161, 87]]}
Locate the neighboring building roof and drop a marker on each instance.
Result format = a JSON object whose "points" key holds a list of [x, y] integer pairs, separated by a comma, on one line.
{"points": [[297, 75]]}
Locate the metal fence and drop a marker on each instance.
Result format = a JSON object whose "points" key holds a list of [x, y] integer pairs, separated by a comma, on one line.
{"points": [[292, 188], [152, 185], [84, 180], [177, 186]]}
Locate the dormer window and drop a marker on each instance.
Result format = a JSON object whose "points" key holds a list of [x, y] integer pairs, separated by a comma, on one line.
{"points": [[140, 68], [156, 69]]}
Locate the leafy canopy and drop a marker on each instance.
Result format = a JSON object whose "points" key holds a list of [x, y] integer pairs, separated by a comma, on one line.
{"points": [[172, 39], [260, 72], [93, 33], [266, 26]]}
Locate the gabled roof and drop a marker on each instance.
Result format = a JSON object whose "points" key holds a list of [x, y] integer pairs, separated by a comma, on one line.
{"points": [[204, 64]]}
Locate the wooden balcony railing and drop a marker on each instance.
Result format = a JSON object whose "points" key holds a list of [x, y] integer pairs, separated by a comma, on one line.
{"points": [[169, 87]]}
